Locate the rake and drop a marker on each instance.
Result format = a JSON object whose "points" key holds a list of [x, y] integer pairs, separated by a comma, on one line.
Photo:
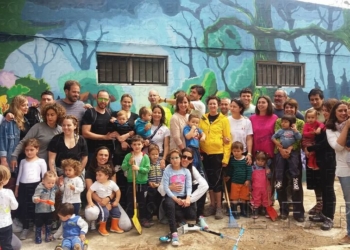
{"points": [[232, 223]]}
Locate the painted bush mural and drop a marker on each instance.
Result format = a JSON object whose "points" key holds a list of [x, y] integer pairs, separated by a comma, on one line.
{"points": [[215, 43]]}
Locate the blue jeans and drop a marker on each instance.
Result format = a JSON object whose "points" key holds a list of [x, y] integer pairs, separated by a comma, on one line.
{"points": [[345, 186], [71, 241]]}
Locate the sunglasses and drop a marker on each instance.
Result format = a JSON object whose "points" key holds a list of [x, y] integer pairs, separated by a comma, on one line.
{"points": [[187, 157], [100, 99]]}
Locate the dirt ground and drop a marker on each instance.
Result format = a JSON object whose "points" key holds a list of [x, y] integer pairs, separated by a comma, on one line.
{"points": [[259, 234]]}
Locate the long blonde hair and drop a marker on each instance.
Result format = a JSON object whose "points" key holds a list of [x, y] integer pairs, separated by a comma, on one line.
{"points": [[15, 108]]}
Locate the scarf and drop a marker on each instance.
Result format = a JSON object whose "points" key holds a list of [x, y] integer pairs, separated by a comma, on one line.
{"points": [[340, 126]]}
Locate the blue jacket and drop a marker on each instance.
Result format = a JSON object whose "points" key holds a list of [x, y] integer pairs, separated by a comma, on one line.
{"points": [[9, 138], [45, 194]]}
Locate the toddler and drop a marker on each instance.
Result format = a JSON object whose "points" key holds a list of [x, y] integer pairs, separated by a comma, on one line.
{"points": [[155, 174], [260, 183], [240, 173], [193, 134], [73, 228], [72, 184], [104, 187], [121, 124], [31, 170], [142, 124], [8, 202], [287, 135], [311, 128], [46, 190], [137, 163]]}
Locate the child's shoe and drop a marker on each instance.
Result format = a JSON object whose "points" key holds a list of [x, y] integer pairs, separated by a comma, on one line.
{"points": [[278, 185], [255, 213], [102, 228], [235, 211], [77, 247], [166, 238], [38, 235], [24, 234], [175, 239], [295, 183], [115, 226], [146, 224], [202, 223], [48, 236]]}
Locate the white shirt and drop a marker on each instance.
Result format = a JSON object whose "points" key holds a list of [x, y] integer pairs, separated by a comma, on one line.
{"points": [[199, 105], [72, 196], [8, 202], [341, 154], [249, 111], [104, 190], [31, 171], [160, 135], [240, 128]]}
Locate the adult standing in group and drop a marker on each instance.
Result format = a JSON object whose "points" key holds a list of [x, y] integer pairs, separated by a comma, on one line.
{"points": [[67, 145], [325, 159], [313, 179], [286, 192], [216, 150], [225, 106], [338, 126], [246, 96], [53, 115], [160, 133], [34, 113], [96, 126], [279, 99], [121, 143], [71, 102], [101, 157], [195, 96], [154, 99], [178, 121], [11, 132]]}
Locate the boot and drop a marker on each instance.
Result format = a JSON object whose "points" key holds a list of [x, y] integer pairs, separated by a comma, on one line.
{"points": [[48, 236], [102, 228], [38, 235], [235, 211], [115, 226], [244, 209]]}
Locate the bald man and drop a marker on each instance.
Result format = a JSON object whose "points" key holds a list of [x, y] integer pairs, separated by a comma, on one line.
{"points": [[154, 99]]}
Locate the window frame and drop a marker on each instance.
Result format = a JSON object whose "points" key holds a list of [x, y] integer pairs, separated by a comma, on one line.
{"points": [[277, 76], [129, 67]]}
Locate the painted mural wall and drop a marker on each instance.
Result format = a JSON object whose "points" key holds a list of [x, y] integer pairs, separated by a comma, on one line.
{"points": [[215, 43]]}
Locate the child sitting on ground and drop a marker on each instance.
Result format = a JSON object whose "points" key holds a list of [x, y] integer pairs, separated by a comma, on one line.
{"points": [[142, 124], [287, 135], [73, 228], [240, 173], [104, 187], [260, 182], [46, 190]]}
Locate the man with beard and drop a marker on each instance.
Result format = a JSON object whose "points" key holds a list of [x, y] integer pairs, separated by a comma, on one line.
{"points": [[279, 99], [71, 103], [96, 126]]}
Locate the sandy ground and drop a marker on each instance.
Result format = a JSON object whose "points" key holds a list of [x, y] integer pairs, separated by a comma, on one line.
{"points": [[259, 234]]}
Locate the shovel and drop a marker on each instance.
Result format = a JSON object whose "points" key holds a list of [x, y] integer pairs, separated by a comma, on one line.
{"points": [[270, 210], [135, 219]]}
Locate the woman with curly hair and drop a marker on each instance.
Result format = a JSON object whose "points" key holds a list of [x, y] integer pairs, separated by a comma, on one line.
{"points": [[44, 131]]}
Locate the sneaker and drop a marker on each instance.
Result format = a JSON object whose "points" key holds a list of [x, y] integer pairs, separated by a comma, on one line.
{"points": [[327, 224], [209, 211], [93, 225], [296, 184], [345, 240], [77, 247], [283, 216], [219, 214], [202, 223], [317, 218], [146, 224], [175, 240], [166, 238], [316, 209], [24, 234], [54, 225], [17, 226], [278, 185]]}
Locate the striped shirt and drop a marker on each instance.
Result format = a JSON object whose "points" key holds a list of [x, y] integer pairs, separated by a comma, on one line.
{"points": [[239, 171], [155, 173]]}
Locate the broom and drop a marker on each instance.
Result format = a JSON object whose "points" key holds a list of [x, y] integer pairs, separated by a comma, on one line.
{"points": [[231, 222]]}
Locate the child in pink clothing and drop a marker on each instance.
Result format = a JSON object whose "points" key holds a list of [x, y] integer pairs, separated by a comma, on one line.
{"points": [[311, 128], [260, 174]]}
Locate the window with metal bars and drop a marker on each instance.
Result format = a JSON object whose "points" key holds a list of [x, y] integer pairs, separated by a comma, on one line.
{"points": [[280, 74], [131, 69]]}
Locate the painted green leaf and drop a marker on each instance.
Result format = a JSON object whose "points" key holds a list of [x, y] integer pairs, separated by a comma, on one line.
{"points": [[223, 94], [36, 86], [15, 90], [3, 90], [242, 77]]}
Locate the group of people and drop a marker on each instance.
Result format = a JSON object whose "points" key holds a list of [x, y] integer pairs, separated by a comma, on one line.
{"points": [[60, 154]]}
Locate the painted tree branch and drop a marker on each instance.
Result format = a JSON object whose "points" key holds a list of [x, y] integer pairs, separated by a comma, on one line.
{"points": [[238, 7]]}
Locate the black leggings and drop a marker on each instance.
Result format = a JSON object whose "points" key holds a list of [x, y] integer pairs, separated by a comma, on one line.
{"points": [[25, 202], [43, 219], [213, 168], [328, 194]]}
